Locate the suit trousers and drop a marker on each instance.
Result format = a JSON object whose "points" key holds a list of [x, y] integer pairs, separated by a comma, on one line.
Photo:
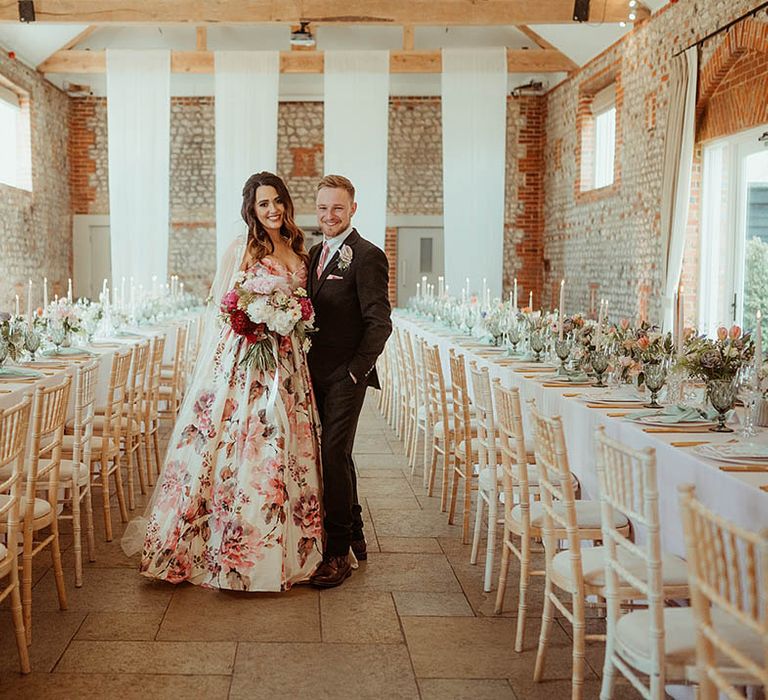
{"points": [[339, 404]]}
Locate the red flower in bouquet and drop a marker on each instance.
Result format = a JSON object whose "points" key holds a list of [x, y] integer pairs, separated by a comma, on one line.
{"points": [[307, 310], [229, 301], [241, 324]]}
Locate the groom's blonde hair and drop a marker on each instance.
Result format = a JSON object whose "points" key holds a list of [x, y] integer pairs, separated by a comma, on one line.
{"points": [[337, 182]]}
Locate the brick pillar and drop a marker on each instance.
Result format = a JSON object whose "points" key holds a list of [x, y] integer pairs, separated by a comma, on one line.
{"points": [[390, 248]]}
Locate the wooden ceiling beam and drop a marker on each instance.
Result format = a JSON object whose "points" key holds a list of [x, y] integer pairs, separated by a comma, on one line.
{"points": [[396, 12], [201, 39], [74, 41], [542, 43], [518, 61], [408, 37]]}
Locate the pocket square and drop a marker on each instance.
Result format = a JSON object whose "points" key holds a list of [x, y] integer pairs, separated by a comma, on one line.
{"points": [[334, 277]]}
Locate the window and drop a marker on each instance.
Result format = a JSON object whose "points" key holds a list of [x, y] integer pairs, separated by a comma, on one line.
{"points": [[734, 231], [598, 138], [15, 148]]}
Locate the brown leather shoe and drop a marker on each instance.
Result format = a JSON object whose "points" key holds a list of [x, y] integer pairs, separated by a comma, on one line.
{"points": [[332, 572], [360, 549]]}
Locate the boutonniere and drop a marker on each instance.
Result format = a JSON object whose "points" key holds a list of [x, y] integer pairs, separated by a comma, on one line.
{"points": [[345, 257]]}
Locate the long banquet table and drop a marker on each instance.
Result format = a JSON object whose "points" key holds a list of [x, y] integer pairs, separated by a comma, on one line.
{"points": [[734, 495], [53, 368]]}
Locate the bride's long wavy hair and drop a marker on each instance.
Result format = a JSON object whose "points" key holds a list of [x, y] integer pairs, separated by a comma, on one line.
{"points": [[259, 243]]}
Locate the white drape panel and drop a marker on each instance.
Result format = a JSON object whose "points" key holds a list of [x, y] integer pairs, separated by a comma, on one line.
{"points": [[357, 132], [474, 91], [676, 178], [139, 123], [246, 96]]}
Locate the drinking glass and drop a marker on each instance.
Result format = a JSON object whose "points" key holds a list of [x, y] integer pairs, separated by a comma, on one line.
{"points": [[655, 376], [721, 394]]}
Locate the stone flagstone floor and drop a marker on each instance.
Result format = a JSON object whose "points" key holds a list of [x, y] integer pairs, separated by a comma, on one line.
{"points": [[412, 622]]}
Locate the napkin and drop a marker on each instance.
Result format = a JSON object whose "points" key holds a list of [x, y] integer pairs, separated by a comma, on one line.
{"points": [[676, 414], [18, 372]]}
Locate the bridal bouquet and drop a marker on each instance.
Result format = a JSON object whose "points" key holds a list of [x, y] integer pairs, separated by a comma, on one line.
{"points": [[260, 311]]}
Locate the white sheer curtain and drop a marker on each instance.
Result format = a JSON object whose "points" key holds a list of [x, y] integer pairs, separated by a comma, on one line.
{"points": [[139, 122], [357, 131], [676, 178], [246, 99], [474, 90]]}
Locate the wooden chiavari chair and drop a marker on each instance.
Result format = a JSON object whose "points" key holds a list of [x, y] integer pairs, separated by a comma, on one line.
{"points": [[151, 417], [421, 409], [14, 426], [133, 439], [404, 386], [488, 471], [172, 378], [107, 438], [565, 569], [627, 480], [728, 574], [463, 458], [75, 470], [49, 414], [440, 419]]}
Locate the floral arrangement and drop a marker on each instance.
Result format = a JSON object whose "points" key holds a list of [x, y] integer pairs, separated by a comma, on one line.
{"points": [[91, 313], [12, 334], [258, 309], [65, 314], [720, 358]]}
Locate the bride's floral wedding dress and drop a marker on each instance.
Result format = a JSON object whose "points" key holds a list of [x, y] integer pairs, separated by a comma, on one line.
{"points": [[239, 502]]}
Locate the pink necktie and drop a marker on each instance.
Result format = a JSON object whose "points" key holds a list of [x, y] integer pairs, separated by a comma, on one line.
{"points": [[323, 258]]}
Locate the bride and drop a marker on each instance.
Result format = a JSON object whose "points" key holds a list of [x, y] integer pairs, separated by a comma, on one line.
{"points": [[238, 505]]}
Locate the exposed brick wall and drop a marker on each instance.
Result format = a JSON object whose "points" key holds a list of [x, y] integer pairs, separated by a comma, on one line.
{"points": [[390, 248], [36, 226], [613, 241], [415, 175]]}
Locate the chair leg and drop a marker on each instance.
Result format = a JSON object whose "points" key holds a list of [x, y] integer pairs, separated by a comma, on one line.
{"points": [[479, 507], [445, 480], [577, 672], [467, 506], [425, 462], [503, 573], [26, 585], [139, 462], [454, 496], [18, 623], [77, 529], [106, 507], [118, 472], [432, 468], [148, 456], [522, 600], [546, 627], [156, 446], [89, 531], [131, 488], [58, 569], [490, 548]]}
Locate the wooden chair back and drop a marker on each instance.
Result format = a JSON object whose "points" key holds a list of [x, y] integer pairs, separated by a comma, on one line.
{"points": [[14, 428], [49, 415], [487, 457], [728, 574], [627, 480], [117, 398], [462, 418], [86, 381], [556, 485], [512, 453]]}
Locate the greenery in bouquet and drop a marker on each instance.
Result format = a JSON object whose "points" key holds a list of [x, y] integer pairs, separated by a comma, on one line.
{"points": [[12, 332], [718, 358], [65, 314]]}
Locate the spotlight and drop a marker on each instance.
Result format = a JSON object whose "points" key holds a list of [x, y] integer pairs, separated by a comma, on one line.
{"points": [[581, 11], [633, 3], [26, 11], [633, 16], [622, 24]]}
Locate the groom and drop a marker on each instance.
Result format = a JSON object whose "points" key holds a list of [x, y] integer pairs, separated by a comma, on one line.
{"points": [[348, 279]]}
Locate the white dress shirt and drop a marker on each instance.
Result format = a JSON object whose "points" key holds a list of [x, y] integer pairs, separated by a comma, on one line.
{"points": [[334, 245]]}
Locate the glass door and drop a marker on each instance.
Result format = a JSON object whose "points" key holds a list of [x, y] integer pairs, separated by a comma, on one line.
{"points": [[734, 231]]}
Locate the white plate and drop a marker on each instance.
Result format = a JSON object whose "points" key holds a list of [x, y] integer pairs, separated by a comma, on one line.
{"points": [[654, 421], [712, 452]]}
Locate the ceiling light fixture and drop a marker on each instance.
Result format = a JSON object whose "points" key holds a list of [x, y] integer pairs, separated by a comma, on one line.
{"points": [[302, 36], [26, 11]]}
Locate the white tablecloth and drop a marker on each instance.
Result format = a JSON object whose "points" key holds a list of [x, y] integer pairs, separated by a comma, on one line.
{"points": [[735, 496]]}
